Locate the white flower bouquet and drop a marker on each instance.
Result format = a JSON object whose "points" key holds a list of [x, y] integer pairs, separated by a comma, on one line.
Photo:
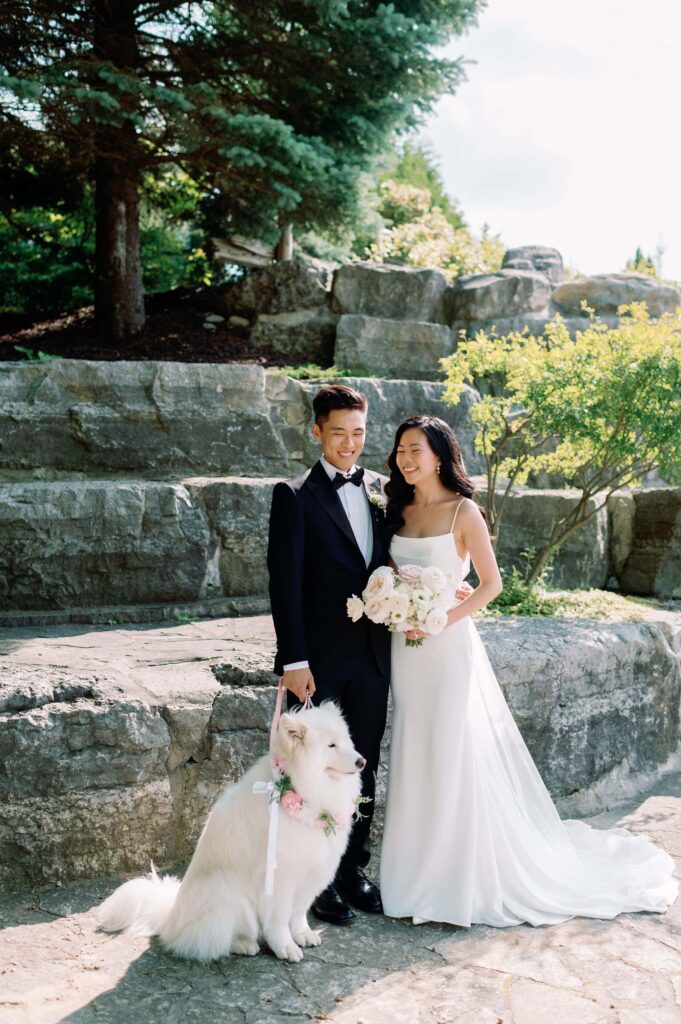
{"points": [[410, 598]]}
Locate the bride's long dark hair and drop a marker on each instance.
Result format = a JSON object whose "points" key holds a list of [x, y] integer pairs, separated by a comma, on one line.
{"points": [[442, 441]]}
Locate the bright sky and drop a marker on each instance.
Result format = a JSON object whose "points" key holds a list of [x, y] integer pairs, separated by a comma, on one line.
{"points": [[568, 130]]}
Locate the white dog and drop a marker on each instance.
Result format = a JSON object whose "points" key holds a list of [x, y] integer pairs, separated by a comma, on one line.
{"points": [[221, 906]]}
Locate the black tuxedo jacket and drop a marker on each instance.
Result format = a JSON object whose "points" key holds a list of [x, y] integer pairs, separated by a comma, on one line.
{"points": [[315, 565]]}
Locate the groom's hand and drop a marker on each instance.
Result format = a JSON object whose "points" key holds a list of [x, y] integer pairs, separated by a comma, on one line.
{"points": [[463, 591], [299, 681]]}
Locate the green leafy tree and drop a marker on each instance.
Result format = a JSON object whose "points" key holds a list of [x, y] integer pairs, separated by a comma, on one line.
{"points": [[47, 254], [603, 409], [419, 233], [416, 165], [275, 107]]}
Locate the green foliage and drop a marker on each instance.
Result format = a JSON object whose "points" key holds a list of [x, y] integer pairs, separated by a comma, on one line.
{"points": [[32, 356], [409, 218], [517, 598], [47, 254], [417, 166], [641, 264], [573, 604], [45, 260], [272, 111], [602, 409], [422, 235]]}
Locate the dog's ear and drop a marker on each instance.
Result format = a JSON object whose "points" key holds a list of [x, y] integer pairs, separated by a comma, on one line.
{"points": [[292, 728]]}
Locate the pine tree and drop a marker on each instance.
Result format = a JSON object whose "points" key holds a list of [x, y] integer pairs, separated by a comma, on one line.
{"points": [[275, 106]]}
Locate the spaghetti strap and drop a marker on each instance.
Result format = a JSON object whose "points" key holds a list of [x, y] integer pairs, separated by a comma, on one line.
{"points": [[456, 512]]}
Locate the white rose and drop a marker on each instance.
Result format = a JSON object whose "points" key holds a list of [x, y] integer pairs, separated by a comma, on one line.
{"points": [[436, 620], [444, 599], [380, 584], [398, 603], [378, 611], [355, 607], [433, 578], [410, 573]]}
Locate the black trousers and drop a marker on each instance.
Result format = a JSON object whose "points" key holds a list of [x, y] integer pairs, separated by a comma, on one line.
{"points": [[363, 699]]}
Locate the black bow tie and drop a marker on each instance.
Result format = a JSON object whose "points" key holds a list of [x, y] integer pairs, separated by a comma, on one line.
{"points": [[340, 479]]}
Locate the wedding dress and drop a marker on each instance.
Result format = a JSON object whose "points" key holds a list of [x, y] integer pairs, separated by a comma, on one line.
{"points": [[471, 834]]}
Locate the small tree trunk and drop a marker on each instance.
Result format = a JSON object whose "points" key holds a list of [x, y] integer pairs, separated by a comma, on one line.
{"points": [[539, 565], [284, 250], [119, 293]]}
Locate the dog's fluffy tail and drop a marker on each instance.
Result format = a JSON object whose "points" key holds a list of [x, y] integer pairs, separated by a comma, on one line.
{"points": [[139, 906]]}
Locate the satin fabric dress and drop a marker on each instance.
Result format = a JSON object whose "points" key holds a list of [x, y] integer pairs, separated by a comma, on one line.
{"points": [[471, 833]]}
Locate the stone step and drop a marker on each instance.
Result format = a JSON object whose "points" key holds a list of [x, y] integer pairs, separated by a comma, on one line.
{"points": [[78, 544], [115, 742], [157, 419]]}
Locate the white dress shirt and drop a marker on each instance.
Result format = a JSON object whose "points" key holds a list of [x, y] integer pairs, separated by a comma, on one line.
{"points": [[356, 506]]}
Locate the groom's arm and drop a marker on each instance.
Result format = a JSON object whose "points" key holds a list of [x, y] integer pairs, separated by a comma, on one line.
{"points": [[285, 555]]}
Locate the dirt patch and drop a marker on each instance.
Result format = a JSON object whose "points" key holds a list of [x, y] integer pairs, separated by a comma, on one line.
{"points": [[174, 331]]}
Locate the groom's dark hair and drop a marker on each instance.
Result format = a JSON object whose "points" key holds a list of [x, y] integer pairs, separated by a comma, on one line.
{"points": [[336, 396]]}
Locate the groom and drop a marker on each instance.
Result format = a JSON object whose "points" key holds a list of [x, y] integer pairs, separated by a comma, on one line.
{"points": [[326, 537]]}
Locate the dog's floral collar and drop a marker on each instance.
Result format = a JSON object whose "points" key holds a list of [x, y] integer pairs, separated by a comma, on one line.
{"points": [[291, 802], [280, 793]]}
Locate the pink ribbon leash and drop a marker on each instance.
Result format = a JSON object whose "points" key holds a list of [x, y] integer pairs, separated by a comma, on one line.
{"points": [[269, 789], [277, 710]]}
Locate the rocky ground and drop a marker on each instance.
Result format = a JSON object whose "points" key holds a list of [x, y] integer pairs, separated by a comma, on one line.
{"points": [[56, 967]]}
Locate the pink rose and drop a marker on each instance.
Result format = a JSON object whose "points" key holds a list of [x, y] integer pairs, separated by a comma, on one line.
{"points": [[291, 802]]}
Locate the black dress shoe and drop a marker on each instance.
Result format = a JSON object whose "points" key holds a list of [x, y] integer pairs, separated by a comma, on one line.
{"points": [[329, 906], [356, 888]]}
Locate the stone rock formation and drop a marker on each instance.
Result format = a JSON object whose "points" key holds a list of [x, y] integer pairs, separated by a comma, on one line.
{"points": [[652, 565], [505, 293], [285, 287], [305, 335], [403, 349], [539, 258], [390, 292], [606, 292]]}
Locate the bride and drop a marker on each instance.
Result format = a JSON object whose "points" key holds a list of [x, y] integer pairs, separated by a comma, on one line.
{"points": [[471, 834]]}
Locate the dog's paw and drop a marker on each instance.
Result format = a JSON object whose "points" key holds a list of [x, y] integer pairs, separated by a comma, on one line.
{"points": [[292, 952], [308, 937], [245, 947]]}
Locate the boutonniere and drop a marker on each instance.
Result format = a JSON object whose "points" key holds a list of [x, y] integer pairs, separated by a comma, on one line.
{"points": [[378, 499]]}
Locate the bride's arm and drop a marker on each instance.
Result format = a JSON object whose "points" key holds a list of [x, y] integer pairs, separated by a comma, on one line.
{"points": [[476, 538]]}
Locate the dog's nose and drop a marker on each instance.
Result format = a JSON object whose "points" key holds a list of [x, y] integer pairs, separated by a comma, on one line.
{"points": [[361, 762]]}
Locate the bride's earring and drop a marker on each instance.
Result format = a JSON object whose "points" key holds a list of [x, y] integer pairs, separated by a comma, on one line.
{"points": [[438, 469]]}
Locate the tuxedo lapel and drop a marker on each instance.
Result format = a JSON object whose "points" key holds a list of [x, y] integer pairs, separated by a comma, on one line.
{"points": [[321, 487]]}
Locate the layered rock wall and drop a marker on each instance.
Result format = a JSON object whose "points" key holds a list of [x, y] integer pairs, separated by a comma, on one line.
{"points": [[161, 420], [103, 543], [105, 770]]}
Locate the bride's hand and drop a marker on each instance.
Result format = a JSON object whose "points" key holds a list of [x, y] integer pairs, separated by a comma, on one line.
{"points": [[416, 634], [463, 591]]}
